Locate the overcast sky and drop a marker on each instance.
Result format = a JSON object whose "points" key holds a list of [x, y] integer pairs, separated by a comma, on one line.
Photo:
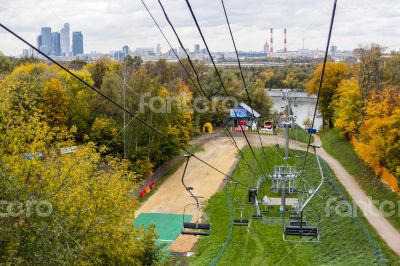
{"points": [[109, 24]]}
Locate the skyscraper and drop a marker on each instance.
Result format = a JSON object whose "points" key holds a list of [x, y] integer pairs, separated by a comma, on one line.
{"points": [[39, 41], [125, 50], [55, 44], [77, 42], [158, 49], [65, 40], [45, 45], [196, 48]]}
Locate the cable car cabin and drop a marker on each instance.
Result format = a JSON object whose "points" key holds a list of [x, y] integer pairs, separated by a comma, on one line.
{"points": [[196, 229]]}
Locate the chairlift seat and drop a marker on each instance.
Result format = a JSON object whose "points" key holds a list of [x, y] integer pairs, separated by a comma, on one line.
{"points": [[301, 231], [197, 226], [195, 233], [240, 222], [297, 223], [256, 217], [196, 229]]}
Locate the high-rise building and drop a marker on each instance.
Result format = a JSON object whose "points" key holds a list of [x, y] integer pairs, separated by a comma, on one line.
{"points": [[196, 48], [55, 44], [65, 40], [39, 41], [125, 50], [77, 43], [25, 52], [266, 47], [158, 49], [45, 46]]}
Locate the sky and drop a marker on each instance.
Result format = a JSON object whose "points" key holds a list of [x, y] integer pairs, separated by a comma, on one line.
{"points": [[108, 25]]}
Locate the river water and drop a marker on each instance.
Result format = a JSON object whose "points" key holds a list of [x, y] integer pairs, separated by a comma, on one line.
{"points": [[304, 108]]}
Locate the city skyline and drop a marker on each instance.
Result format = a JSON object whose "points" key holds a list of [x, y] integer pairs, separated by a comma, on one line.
{"points": [[109, 25], [56, 43]]}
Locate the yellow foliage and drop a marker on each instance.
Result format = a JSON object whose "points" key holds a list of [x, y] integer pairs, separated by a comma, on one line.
{"points": [[348, 107], [55, 102], [334, 74]]}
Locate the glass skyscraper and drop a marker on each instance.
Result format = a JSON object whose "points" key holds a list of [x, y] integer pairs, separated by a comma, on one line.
{"points": [[77, 43], [65, 42], [55, 44], [45, 40]]}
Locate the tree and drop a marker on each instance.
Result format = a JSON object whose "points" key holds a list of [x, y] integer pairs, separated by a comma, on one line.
{"points": [[104, 133], [379, 134], [260, 101], [85, 199], [370, 73], [55, 103], [391, 69], [77, 64], [97, 70], [334, 74], [348, 107]]}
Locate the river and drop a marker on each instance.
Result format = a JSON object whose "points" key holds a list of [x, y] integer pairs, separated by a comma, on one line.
{"points": [[304, 108]]}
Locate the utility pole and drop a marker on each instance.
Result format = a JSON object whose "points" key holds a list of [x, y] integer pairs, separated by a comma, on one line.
{"points": [[123, 95], [289, 120], [283, 198]]}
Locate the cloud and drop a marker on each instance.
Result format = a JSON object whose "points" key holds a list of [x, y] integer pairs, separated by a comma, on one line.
{"points": [[108, 25]]}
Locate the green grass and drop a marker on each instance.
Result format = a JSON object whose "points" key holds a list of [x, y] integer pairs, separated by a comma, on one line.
{"points": [[296, 133], [344, 240], [340, 148]]}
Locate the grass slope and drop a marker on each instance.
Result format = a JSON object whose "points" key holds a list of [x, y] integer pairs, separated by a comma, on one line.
{"points": [[296, 133], [340, 148], [344, 240]]}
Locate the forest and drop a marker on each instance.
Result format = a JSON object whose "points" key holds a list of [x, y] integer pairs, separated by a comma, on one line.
{"points": [[362, 101], [88, 192]]}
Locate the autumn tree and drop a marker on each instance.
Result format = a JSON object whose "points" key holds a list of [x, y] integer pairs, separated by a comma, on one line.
{"points": [[86, 201], [348, 106], [370, 72], [379, 134], [54, 103], [334, 74]]}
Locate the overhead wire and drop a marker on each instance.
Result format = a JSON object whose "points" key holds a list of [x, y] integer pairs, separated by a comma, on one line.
{"points": [[244, 83], [320, 82], [200, 86], [113, 101], [222, 84]]}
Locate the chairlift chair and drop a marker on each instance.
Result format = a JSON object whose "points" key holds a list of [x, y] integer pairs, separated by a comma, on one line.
{"points": [[196, 228], [239, 221], [298, 227]]}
